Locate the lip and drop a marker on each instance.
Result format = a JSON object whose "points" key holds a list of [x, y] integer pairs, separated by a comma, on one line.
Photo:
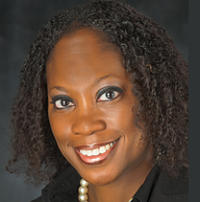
{"points": [[94, 146], [94, 160]]}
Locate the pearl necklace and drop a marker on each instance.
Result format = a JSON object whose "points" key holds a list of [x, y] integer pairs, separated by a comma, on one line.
{"points": [[83, 190]]}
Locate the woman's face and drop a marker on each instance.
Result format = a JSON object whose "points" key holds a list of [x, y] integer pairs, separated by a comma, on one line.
{"points": [[90, 109]]}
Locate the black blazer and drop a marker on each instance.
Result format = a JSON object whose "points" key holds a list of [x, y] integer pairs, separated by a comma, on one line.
{"points": [[163, 189], [168, 189]]}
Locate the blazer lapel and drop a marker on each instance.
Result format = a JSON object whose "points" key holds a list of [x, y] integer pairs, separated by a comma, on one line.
{"points": [[167, 189]]}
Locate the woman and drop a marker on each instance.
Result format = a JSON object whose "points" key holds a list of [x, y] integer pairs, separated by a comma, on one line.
{"points": [[103, 96]]}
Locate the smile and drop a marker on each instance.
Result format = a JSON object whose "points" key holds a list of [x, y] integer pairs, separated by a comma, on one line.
{"points": [[98, 151], [97, 155]]}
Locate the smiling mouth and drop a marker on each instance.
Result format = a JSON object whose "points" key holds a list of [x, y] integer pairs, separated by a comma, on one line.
{"points": [[97, 155]]}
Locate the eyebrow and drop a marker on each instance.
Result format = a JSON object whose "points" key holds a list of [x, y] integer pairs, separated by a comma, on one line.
{"points": [[95, 83], [58, 88], [100, 79]]}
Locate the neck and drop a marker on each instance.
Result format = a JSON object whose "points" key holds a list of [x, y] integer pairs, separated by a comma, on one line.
{"points": [[122, 189]]}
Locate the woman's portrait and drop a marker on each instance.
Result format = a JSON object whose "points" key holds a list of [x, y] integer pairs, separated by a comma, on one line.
{"points": [[100, 113]]}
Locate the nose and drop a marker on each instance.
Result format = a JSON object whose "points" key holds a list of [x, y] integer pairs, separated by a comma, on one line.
{"points": [[87, 124]]}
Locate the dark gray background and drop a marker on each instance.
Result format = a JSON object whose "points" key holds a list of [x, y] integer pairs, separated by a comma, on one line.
{"points": [[19, 22]]}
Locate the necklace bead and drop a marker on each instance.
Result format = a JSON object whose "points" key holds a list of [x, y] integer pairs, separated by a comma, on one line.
{"points": [[84, 183], [82, 197], [83, 190]]}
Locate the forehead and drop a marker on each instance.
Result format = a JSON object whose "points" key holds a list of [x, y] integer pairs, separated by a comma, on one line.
{"points": [[84, 54], [84, 38]]}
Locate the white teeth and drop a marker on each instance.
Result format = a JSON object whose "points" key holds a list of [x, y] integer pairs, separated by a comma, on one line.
{"points": [[89, 153], [107, 147], [83, 152], [97, 151], [102, 150]]}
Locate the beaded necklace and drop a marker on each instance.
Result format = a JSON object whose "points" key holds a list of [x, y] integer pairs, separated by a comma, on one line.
{"points": [[83, 190]]}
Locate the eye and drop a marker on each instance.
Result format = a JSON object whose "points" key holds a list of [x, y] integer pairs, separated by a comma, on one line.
{"points": [[62, 102], [109, 93]]}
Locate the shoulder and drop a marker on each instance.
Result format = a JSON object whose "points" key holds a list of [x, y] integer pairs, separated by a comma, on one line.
{"points": [[168, 189], [63, 187]]}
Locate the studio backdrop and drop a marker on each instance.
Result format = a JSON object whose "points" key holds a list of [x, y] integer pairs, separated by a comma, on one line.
{"points": [[20, 21]]}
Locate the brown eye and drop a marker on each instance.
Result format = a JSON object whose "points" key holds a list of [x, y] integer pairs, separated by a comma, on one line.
{"points": [[62, 102], [110, 94]]}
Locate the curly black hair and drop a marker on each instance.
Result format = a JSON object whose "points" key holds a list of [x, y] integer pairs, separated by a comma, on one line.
{"points": [[160, 82]]}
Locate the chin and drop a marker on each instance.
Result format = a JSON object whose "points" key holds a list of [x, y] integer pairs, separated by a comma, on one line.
{"points": [[100, 180]]}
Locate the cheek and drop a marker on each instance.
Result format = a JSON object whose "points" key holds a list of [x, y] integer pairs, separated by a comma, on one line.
{"points": [[60, 128], [122, 117]]}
